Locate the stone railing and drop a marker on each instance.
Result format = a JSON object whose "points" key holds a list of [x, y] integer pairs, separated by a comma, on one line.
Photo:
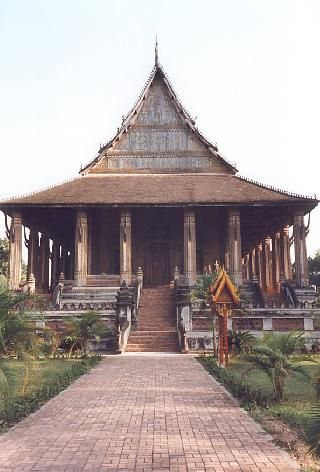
{"points": [[127, 305]]}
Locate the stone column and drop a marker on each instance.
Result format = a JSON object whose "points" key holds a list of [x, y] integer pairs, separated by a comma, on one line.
{"points": [[44, 261], [252, 264], [276, 261], [54, 263], [247, 266], [300, 250], [81, 248], [285, 259], [15, 251], [234, 246], [125, 247], [32, 253], [190, 247], [258, 254], [266, 265]]}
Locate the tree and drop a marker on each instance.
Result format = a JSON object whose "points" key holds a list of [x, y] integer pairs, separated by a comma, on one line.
{"points": [[4, 256], [314, 268], [274, 357]]}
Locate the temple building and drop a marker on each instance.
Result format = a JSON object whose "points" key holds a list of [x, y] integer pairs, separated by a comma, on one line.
{"points": [[159, 202]]}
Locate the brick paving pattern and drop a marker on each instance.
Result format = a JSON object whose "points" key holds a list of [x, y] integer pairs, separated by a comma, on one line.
{"points": [[142, 413]]}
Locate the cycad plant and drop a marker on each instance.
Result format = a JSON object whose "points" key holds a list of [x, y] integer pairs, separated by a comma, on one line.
{"points": [[18, 335], [313, 430], [81, 330], [274, 356]]}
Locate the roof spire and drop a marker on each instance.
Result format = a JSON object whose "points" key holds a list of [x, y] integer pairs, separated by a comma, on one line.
{"points": [[156, 57]]}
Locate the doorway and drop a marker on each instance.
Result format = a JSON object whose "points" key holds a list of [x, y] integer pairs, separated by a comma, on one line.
{"points": [[159, 264]]}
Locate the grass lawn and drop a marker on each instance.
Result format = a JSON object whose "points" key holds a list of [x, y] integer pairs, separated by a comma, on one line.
{"points": [[300, 393], [47, 378]]}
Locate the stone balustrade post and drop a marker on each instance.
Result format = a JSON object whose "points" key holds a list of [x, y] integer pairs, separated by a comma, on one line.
{"points": [[15, 251], [190, 262]]}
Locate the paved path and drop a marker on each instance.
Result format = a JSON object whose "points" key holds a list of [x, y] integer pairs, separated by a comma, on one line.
{"points": [[141, 413]]}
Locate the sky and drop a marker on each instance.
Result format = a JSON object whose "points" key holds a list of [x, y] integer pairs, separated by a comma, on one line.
{"points": [[247, 70]]}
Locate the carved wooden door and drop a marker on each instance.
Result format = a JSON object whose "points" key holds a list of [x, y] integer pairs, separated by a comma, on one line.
{"points": [[159, 261]]}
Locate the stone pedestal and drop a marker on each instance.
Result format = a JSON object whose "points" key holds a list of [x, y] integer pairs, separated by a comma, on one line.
{"points": [[81, 248], [300, 250], [125, 247], [15, 252], [233, 253], [190, 245]]}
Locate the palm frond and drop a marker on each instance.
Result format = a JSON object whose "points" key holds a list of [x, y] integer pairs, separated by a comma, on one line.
{"points": [[313, 430]]}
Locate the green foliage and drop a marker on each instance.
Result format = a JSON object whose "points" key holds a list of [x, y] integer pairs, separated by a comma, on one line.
{"points": [[18, 335], [314, 268], [240, 341], [313, 430], [236, 386], [79, 331], [4, 256], [272, 356], [59, 374], [202, 286]]}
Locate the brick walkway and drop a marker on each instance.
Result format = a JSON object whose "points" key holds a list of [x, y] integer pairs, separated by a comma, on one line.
{"points": [[142, 413]]}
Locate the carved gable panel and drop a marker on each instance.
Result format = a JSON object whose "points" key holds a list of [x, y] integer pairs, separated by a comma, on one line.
{"points": [[158, 138]]}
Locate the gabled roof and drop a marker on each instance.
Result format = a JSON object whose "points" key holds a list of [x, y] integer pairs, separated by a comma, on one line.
{"points": [[158, 74]]}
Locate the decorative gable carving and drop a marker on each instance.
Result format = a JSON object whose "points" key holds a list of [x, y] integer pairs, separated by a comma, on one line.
{"points": [[157, 137]]}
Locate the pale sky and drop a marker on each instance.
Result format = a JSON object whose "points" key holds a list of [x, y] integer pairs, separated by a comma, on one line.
{"points": [[249, 70]]}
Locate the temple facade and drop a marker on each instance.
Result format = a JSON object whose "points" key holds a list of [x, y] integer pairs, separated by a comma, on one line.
{"points": [[158, 200]]}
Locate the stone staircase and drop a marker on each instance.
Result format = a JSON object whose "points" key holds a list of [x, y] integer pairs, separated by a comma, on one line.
{"points": [[156, 331]]}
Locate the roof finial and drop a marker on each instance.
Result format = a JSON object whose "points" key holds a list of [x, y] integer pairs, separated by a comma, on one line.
{"points": [[156, 57]]}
